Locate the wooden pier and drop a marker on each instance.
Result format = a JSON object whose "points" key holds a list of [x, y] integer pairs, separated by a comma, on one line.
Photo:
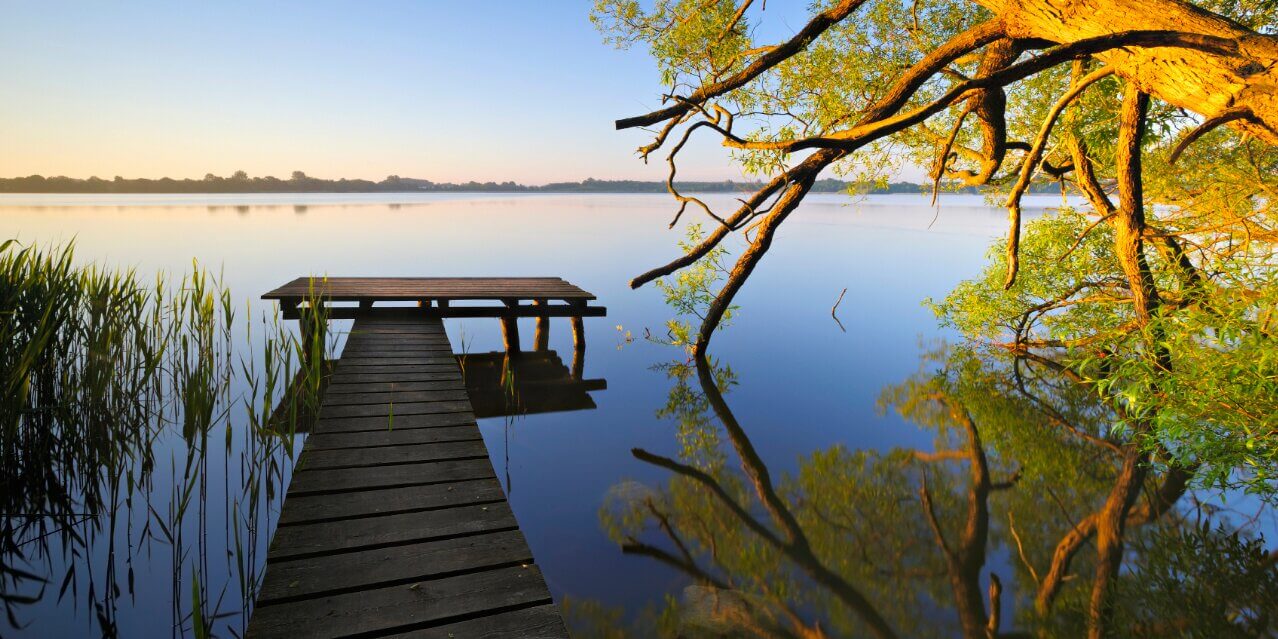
{"points": [[394, 522]]}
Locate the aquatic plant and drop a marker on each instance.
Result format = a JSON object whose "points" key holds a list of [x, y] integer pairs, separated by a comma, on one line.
{"points": [[104, 376]]}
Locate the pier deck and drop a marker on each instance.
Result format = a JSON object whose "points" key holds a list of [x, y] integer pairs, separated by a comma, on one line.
{"points": [[394, 522]]}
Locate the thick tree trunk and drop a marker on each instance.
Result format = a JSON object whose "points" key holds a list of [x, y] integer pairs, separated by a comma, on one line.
{"points": [[1200, 82]]}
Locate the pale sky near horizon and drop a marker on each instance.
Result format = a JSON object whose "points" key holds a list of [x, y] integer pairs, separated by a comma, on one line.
{"points": [[446, 91]]}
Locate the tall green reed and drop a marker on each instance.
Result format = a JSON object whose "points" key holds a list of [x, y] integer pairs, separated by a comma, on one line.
{"points": [[100, 371]]}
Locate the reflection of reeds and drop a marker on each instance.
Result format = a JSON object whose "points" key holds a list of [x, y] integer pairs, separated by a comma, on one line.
{"points": [[101, 370], [465, 340], [509, 388]]}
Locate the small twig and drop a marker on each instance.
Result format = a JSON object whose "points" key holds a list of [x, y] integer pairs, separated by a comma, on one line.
{"points": [[1083, 235], [834, 309], [1011, 524]]}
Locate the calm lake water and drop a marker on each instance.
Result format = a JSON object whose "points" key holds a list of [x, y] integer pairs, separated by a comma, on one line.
{"points": [[803, 384]]}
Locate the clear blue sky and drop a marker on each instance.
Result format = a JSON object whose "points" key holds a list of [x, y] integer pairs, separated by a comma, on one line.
{"points": [[446, 91]]}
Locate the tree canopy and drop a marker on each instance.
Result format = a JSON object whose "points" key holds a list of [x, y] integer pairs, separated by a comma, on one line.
{"points": [[1157, 296]]}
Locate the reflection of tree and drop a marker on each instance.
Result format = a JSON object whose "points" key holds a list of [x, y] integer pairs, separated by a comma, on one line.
{"points": [[898, 543]]}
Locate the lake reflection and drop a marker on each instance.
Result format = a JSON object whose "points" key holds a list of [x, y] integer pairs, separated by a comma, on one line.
{"points": [[967, 537], [816, 480]]}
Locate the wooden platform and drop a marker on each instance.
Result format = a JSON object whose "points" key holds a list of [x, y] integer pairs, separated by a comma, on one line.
{"points": [[394, 523], [437, 296]]}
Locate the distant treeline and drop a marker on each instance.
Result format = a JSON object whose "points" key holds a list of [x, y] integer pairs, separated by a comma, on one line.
{"points": [[299, 182]]}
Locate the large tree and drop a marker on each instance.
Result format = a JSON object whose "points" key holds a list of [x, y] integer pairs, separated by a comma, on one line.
{"points": [[1157, 295], [976, 91]]}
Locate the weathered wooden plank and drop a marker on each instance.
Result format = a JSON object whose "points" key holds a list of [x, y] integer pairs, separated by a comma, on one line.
{"points": [[426, 287], [367, 324], [306, 540], [397, 397], [365, 346], [406, 315], [411, 295], [391, 387], [358, 360], [395, 351], [411, 563], [317, 508], [399, 437], [395, 410], [435, 312], [356, 376], [399, 357], [342, 369], [389, 455], [397, 340], [537, 622], [387, 423], [403, 319], [371, 439], [392, 331], [367, 283], [406, 331], [404, 607], [361, 345], [308, 482], [399, 317]]}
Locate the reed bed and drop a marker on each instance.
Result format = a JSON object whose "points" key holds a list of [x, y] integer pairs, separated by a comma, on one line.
{"points": [[142, 421]]}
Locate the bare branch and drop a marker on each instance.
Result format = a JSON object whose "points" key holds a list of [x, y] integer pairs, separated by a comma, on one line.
{"points": [[782, 52], [749, 208], [1224, 117], [1031, 162]]}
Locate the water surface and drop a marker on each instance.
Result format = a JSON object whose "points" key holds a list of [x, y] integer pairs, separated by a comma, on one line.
{"points": [[802, 383]]}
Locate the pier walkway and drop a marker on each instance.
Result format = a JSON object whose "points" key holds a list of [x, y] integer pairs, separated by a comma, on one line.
{"points": [[394, 522]]}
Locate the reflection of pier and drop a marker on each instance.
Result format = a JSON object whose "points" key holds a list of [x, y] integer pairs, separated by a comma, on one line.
{"points": [[526, 384], [394, 520]]}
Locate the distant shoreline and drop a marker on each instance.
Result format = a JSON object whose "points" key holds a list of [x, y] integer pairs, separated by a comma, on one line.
{"points": [[301, 183]]}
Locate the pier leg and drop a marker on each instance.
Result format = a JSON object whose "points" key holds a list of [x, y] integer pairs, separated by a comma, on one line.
{"points": [[510, 333], [541, 337], [578, 347]]}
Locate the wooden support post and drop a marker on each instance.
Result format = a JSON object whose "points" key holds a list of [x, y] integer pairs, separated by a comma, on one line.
{"points": [[510, 333], [578, 347], [423, 303], [510, 328], [578, 333], [541, 338]]}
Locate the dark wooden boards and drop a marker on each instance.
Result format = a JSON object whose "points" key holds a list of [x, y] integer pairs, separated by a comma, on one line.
{"points": [[538, 621], [499, 297], [394, 522], [416, 288], [408, 606], [354, 571]]}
